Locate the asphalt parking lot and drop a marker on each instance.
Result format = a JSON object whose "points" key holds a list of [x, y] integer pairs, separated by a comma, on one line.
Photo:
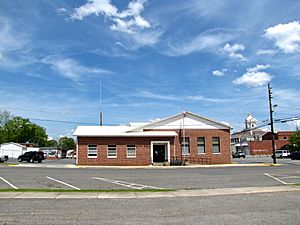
{"points": [[38, 176]]}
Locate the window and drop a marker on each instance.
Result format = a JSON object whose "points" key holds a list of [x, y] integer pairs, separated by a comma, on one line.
{"points": [[111, 151], [201, 145], [185, 146], [92, 151], [131, 151], [216, 144]]}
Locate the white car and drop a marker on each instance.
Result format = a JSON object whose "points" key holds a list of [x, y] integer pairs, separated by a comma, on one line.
{"points": [[282, 154]]}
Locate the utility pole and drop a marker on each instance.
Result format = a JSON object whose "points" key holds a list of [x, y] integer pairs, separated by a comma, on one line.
{"points": [[272, 122]]}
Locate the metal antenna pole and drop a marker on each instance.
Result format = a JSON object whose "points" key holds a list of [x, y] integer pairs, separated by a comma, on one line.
{"points": [[272, 123], [100, 93]]}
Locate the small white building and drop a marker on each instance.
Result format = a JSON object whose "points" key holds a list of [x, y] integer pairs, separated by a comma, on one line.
{"points": [[12, 150]]}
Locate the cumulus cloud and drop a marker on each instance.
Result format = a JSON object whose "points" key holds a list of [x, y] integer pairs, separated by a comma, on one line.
{"points": [[286, 36], [70, 68], [219, 73], [128, 20], [254, 76], [233, 51]]}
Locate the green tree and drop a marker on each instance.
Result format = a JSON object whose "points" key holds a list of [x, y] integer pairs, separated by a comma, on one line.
{"points": [[21, 130], [51, 143], [295, 141], [66, 143]]}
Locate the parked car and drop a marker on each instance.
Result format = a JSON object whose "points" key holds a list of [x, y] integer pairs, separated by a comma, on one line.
{"points": [[295, 155], [32, 156], [282, 154], [238, 155]]}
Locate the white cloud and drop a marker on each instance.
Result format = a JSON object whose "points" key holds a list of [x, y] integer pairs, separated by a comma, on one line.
{"points": [[148, 94], [233, 51], [254, 76], [219, 73], [266, 52], [70, 68], [208, 40], [202, 98], [258, 68], [13, 46], [128, 21], [286, 36]]}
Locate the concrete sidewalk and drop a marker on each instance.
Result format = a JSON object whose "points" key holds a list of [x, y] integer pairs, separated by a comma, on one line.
{"points": [[135, 195]]}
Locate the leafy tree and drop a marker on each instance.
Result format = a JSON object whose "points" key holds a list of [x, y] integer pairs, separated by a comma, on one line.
{"points": [[295, 141], [21, 130], [66, 143], [51, 143]]}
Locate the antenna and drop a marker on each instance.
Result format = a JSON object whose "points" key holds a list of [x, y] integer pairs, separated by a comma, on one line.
{"points": [[100, 96]]}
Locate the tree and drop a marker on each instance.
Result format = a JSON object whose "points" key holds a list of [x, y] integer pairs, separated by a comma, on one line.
{"points": [[66, 143], [21, 130], [51, 143], [295, 141]]}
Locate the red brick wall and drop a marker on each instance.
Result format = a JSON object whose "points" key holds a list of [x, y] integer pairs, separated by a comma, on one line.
{"points": [[222, 158], [264, 147], [143, 148]]}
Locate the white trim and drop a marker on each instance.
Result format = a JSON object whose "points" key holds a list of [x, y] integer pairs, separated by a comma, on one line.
{"points": [[77, 152], [160, 142], [92, 157], [130, 157], [114, 156]]}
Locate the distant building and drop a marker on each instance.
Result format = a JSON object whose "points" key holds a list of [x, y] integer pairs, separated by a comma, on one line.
{"points": [[264, 146], [12, 150], [240, 140]]}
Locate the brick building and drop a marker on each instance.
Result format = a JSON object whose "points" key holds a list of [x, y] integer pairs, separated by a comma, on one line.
{"points": [[187, 137], [264, 146]]}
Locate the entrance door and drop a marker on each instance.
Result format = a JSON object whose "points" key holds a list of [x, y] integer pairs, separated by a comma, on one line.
{"points": [[159, 153]]}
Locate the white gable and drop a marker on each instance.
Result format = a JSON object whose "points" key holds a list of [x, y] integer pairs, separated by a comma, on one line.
{"points": [[190, 121]]}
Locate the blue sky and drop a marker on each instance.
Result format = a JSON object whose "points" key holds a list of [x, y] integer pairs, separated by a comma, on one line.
{"points": [[154, 59]]}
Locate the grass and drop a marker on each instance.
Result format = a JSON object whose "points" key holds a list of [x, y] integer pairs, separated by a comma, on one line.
{"points": [[84, 191], [296, 184]]}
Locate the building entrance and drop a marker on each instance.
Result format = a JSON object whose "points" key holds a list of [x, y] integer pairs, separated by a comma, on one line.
{"points": [[159, 153]]}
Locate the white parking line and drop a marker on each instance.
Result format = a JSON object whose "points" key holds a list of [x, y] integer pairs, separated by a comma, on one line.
{"points": [[69, 185], [126, 184], [275, 178], [10, 184]]}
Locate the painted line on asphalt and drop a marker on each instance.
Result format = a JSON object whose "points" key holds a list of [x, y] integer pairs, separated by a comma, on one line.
{"points": [[10, 184], [126, 184], [69, 185], [275, 178]]}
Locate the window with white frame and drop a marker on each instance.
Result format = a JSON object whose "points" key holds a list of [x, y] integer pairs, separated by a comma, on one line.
{"points": [[111, 151], [216, 145], [92, 151], [185, 146], [201, 145], [131, 151]]}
